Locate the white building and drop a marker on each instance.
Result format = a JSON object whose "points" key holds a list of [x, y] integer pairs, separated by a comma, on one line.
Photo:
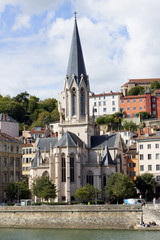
{"points": [[104, 103], [148, 148], [9, 126]]}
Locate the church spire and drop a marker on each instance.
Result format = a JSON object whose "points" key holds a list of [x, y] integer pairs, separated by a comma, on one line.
{"points": [[76, 63]]}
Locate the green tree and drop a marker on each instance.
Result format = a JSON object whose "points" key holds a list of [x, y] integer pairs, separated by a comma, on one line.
{"points": [[130, 125], [145, 183], [86, 193], [119, 187], [43, 187], [55, 115], [23, 99], [144, 115], [17, 190], [138, 90], [48, 104], [155, 85], [33, 104]]}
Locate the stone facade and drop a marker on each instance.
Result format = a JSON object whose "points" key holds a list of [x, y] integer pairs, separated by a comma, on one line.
{"points": [[82, 217]]}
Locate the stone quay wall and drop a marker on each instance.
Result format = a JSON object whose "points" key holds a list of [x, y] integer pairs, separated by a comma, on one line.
{"points": [[72, 216]]}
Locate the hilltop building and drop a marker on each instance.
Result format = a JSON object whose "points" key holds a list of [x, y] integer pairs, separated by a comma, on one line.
{"points": [[8, 125], [79, 155]]}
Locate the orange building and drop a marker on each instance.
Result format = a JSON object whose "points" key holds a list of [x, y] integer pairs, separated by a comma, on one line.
{"points": [[131, 105], [132, 162]]}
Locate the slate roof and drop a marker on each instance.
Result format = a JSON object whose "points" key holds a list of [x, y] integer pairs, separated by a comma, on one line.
{"points": [[46, 143], [107, 159], [70, 139], [7, 118], [97, 142], [148, 80], [76, 62]]}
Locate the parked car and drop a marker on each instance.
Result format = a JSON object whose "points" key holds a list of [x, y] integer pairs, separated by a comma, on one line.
{"points": [[130, 201]]}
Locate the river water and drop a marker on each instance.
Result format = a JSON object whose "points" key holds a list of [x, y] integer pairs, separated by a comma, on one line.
{"points": [[63, 234]]}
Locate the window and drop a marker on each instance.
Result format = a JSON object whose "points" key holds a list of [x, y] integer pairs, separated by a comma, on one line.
{"points": [[141, 108], [149, 167], [104, 97], [99, 98], [95, 98], [130, 174], [104, 103], [149, 146], [157, 156], [89, 178], [141, 167], [153, 105], [154, 113], [113, 102], [63, 168], [133, 156], [157, 145], [134, 108], [99, 103], [104, 109], [24, 160], [128, 108], [17, 149], [141, 157], [12, 148], [158, 178], [73, 101], [128, 115], [30, 150], [134, 164], [26, 150], [134, 101], [128, 101], [122, 101], [134, 173], [95, 104], [141, 146], [82, 102], [23, 168], [125, 133], [153, 99], [113, 109], [113, 97], [71, 169], [149, 156], [158, 167], [5, 162], [23, 151], [95, 110], [140, 100], [122, 109], [129, 165]]}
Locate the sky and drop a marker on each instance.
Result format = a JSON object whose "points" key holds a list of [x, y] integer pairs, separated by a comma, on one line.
{"points": [[120, 41]]}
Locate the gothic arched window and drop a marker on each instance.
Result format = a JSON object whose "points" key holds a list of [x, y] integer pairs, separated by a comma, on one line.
{"points": [[63, 163], [82, 102], [67, 105], [71, 169], [73, 101], [89, 177]]}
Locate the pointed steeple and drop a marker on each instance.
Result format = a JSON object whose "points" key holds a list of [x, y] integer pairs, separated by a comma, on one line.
{"points": [[76, 64]]}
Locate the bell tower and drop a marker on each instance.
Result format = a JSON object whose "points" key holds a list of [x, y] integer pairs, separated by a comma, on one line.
{"points": [[76, 92]]}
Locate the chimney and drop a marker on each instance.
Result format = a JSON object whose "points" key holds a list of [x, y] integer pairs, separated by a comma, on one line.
{"points": [[139, 131], [146, 131], [4, 117]]}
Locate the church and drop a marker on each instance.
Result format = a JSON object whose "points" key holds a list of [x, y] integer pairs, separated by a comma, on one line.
{"points": [[79, 155]]}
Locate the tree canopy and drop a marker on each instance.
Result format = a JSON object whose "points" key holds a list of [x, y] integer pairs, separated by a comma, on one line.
{"points": [[144, 115], [18, 190], [145, 183], [155, 85], [87, 193], [28, 110], [119, 187], [43, 187], [138, 90], [130, 125]]}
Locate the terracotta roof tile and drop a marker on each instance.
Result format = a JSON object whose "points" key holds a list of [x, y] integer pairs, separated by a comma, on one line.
{"points": [[149, 80]]}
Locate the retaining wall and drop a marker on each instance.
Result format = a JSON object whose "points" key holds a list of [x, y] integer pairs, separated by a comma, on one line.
{"points": [[72, 216]]}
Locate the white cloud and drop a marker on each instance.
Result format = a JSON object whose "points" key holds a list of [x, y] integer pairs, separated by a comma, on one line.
{"points": [[21, 22]]}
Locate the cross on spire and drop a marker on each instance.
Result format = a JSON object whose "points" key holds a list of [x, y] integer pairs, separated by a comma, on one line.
{"points": [[75, 13]]}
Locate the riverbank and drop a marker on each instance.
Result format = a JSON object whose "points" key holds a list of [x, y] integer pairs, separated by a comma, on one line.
{"points": [[80, 217], [72, 216]]}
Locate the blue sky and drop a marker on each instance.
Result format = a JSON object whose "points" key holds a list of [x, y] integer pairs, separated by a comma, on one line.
{"points": [[120, 40]]}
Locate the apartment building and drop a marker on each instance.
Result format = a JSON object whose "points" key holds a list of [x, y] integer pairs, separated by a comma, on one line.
{"points": [[131, 105], [27, 151], [132, 162], [8, 125], [104, 103], [137, 82], [148, 148], [10, 162]]}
